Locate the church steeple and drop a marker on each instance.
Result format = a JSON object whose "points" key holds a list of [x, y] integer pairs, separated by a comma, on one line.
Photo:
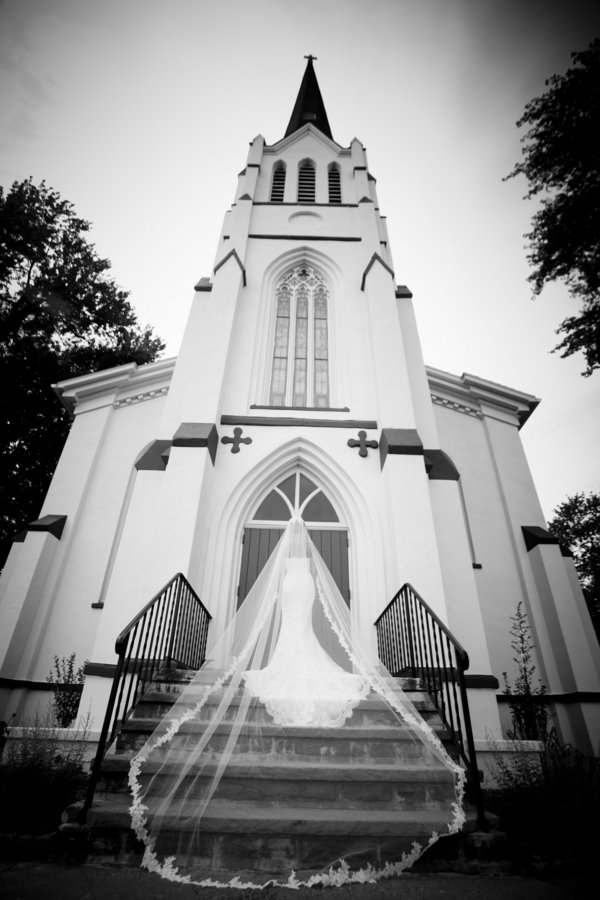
{"points": [[309, 106]]}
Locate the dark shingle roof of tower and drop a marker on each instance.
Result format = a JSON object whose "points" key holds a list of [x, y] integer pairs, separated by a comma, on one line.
{"points": [[309, 106]]}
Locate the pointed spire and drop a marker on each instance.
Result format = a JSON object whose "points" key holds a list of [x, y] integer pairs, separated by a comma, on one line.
{"points": [[309, 106]]}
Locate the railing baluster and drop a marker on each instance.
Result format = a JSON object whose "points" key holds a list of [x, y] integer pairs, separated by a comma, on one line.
{"points": [[173, 625], [412, 638]]}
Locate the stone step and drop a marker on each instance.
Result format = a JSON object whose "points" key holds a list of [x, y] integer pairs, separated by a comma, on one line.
{"points": [[235, 837], [371, 711], [269, 783], [231, 817], [359, 744], [291, 797], [175, 681]]}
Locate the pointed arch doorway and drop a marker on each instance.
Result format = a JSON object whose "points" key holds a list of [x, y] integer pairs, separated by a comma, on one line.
{"points": [[295, 495]]}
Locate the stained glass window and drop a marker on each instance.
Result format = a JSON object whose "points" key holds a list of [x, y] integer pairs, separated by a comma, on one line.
{"points": [[300, 370]]}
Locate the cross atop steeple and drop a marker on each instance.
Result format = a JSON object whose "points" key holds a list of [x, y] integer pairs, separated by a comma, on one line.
{"points": [[309, 106]]}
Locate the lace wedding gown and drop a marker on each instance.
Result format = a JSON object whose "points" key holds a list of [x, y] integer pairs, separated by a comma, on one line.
{"points": [[302, 685]]}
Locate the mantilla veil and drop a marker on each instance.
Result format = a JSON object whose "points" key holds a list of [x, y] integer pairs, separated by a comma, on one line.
{"points": [[289, 658]]}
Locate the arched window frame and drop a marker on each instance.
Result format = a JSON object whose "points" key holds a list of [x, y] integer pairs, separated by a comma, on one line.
{"points": [[278, 182], [334, 183], [307, 181], [300, 365]]}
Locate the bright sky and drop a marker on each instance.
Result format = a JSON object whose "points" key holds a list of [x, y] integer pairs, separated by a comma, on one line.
{"points": [[140, 113]]}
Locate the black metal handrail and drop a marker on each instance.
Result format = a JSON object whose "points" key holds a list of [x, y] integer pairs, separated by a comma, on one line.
{"points": [[412, 640], [171, 630]]}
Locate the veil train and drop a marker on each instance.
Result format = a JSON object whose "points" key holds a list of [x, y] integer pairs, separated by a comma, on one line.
{"points": [[268, 684]]}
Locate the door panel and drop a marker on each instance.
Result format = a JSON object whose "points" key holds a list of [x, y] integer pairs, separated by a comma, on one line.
{"points": [[259, 543], [333, 547]]}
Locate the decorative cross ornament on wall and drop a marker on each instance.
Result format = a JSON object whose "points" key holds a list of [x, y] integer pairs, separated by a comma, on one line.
{"points": [[363, 443], [236, 440]]}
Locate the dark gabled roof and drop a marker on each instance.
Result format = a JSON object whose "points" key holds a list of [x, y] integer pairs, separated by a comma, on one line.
{"points": [[309, 106]]}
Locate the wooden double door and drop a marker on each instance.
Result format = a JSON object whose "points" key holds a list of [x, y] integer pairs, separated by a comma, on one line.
{"points": [[297, 495], [260, 542]]}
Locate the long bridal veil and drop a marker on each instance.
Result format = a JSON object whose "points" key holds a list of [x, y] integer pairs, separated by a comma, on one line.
{"points": [[287, 683]]}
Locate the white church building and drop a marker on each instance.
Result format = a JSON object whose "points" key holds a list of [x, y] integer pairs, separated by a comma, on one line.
{"points": [[300, 388]]}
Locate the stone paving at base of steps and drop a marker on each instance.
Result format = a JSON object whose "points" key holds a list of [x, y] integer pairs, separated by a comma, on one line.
{"points": [[49, 881]]}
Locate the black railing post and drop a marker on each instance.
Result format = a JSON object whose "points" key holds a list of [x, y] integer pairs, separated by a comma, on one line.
{"points": [[175, 621], [428, 648], [102, 742], [146, 643], [482, 823]]}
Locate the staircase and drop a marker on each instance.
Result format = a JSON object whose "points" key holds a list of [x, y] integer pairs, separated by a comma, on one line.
{"points": [[293, 806]]}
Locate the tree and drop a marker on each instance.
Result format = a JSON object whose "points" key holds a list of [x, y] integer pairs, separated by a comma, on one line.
{"points": [[561, 161], [576, 524], [61, 315]]}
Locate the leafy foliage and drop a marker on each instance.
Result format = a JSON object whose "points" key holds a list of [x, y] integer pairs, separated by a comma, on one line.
{"points": [[67, 693], [576, 524], [61, 315], [40, 775], [527, 708], [561, 161], [547, 800]]}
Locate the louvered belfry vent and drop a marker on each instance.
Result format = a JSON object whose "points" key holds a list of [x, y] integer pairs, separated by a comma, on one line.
{"points": [[335, 185], [306, 182], [278, 184]]}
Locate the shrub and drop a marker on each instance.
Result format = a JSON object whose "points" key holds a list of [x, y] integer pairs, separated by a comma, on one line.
{"points": [[527, 704], [39, 776], [547, 800], [67, 693]]}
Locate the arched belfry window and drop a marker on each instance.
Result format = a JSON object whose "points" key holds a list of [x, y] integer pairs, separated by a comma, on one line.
{"points": [[334, 183], [300, 370], [306, 181], [278, 183]]}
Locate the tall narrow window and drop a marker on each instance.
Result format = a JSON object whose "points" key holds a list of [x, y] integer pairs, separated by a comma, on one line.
{"points": [[335, 184], [300, 372], [278, 183], [306, 182]]}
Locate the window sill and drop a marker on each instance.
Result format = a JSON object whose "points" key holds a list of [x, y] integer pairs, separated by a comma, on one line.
{"points": [[305, 408]]}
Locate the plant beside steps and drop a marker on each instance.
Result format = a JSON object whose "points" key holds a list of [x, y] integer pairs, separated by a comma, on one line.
{"points": [[289, 801]]}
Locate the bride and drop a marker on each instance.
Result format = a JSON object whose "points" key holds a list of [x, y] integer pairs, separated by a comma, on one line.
{"points": [[302, 685], [269, 670]]}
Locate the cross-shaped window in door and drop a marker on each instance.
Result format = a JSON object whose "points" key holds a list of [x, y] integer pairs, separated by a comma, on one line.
{"points": [[300, 371]]}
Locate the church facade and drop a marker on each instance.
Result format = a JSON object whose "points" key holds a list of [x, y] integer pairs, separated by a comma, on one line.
{"points": [[299, 389]]}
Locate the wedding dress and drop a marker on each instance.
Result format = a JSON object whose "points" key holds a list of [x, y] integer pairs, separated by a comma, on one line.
{"points": [[269, 670], [302, 685]]}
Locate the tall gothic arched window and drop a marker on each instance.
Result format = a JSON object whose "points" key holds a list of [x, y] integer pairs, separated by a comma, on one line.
{"points": [[300, 372]]}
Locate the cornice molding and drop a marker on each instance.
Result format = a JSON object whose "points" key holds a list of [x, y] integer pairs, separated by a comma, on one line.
{"points": [[300, 133], [456, 406], [139, 398], [120, 386], [478, 397]]}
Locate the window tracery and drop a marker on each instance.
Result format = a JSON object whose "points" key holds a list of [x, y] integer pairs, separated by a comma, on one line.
{"points": [[300, 370]]}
